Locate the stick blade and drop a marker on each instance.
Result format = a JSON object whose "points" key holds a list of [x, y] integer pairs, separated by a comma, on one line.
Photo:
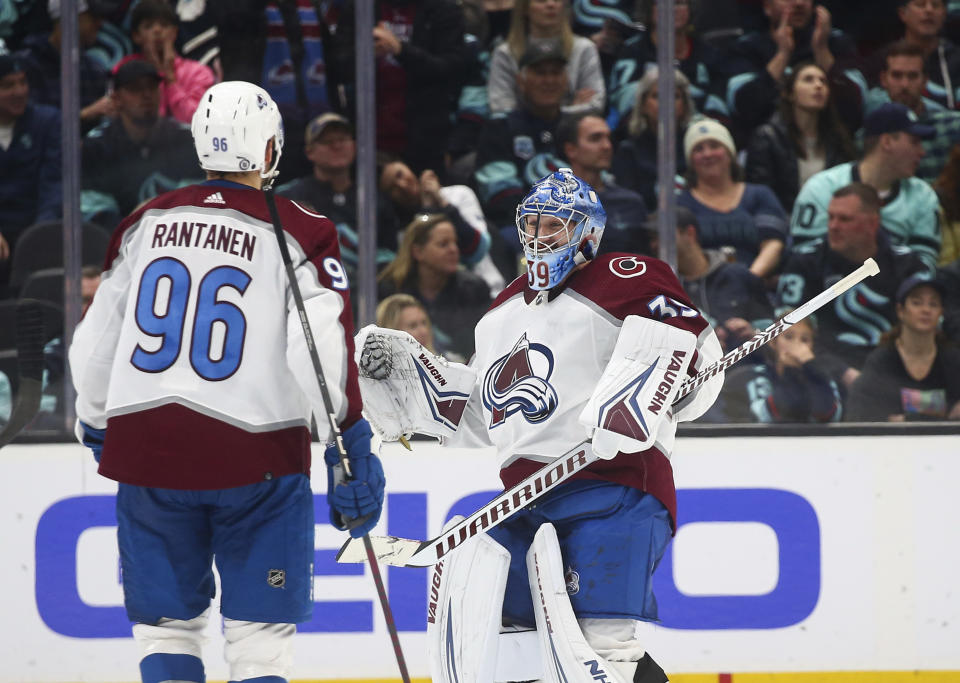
{"points": [[387, 549]]}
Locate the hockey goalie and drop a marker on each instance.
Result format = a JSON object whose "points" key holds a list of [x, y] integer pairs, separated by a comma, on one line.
{"points": [[583, 346]]}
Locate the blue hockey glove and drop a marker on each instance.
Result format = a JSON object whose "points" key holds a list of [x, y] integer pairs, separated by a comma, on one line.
{"points": [[93, 439], [355, 504]]}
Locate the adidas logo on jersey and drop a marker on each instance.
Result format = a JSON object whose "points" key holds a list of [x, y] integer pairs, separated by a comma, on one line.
{"points": [[215, 198]]}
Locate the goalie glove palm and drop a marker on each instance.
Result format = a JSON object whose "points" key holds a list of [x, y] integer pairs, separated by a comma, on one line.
{"points": [[360, 498]]}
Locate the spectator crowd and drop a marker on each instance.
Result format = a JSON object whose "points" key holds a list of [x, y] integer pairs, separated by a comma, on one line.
{"points": [[810, 136]]}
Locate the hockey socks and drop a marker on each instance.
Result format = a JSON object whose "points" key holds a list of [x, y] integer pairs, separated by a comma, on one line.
{"points": [[162, 667]]}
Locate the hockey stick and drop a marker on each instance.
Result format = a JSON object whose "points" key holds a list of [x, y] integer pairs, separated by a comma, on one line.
{"points": [[29, 368], [334, 428], [405, 552]]}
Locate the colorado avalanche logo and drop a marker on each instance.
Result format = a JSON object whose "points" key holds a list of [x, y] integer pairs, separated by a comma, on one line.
{"points": [[514, 384], [627, 266]]}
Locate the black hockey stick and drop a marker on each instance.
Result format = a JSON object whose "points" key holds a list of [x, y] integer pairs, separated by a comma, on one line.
{"points": [[29, 369], [406, 552], [334, 428]]}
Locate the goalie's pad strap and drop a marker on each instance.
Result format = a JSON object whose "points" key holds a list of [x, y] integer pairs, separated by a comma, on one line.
{"points": [[636, 390], [407, 389], [567, 658], [464, 606]]}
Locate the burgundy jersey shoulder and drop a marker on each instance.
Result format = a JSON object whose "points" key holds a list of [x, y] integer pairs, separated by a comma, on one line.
{"points": [[626, 284], [311, 230], [516, 287]]}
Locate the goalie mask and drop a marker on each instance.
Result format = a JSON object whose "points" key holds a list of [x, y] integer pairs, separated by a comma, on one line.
{"points": [[231, 128], [560, 223]]}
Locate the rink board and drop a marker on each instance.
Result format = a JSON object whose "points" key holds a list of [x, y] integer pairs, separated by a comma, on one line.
{"points": [[799, 556]]}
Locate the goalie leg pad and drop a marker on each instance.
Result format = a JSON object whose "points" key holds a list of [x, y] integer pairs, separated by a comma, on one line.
{"points": [[464, 607], [567, 657], [255, 649]]}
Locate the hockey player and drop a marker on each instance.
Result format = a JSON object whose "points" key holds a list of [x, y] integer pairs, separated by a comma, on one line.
{"points": [[583, 341], [195, 393]]}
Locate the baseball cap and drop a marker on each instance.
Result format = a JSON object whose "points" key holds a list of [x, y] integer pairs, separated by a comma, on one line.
{"points": [[543, 51], [707, 129], [8, 62], [132, 69], [316, 127], [919, 280], [893, 117]]}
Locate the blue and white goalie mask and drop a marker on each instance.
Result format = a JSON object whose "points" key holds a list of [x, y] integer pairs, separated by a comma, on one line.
{"points": [[560, 223]]}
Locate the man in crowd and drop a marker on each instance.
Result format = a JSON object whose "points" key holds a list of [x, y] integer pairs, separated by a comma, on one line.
{"points": [[923, 22], [892, 149], [852, 324], [903, 80], [584, 140], [518, 148], [137, 155]]}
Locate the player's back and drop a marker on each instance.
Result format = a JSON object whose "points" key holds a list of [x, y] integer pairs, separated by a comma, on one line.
{"points": [[197, 340]]}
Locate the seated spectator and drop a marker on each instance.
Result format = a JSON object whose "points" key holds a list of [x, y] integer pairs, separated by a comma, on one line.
{"points": [[923, 22], [153, 28], [30, 188], [947, 188], [731, 213], [902, 80], [695, 60], [584, 140], [428, 267], [545, 24], [40, 56], [892, 148], [518, 148], [330, 189], [787, 385], [635, 161], [914, 374], [803, 138], [406, 313], [137, 155], [410, 195], [799, 31], [729, 296], [949, 275], [421, 64], [852, 324]]}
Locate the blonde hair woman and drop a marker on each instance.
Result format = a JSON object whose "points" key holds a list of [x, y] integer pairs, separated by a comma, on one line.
{"points": [[404, 312], [544, 22], [427, 267]]}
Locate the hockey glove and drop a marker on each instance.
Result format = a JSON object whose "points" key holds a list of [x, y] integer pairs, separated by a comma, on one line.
{"points": [[355, 505], [93, 438]]}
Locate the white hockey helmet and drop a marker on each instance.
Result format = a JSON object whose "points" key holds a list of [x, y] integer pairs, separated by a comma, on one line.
{"points": [[231, 128]]}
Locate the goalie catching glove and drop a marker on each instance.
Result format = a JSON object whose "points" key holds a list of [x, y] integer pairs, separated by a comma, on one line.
{"points": [[407, 389], [360, 498], [636, 391]]}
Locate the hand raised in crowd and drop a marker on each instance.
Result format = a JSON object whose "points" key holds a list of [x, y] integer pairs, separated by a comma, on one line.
{"points": [[160, 51], [4, 249], [430, 190], [820, 40], [104, 106], [783, 36], [384, 41]]}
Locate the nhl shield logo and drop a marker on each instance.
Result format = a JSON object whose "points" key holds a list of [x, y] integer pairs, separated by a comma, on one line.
{"points": [[277, 578], [523, 147]]}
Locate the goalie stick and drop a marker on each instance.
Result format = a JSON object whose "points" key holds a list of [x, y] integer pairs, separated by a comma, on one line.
{"points": [[405, 552], [29, 337], [334, 427]]}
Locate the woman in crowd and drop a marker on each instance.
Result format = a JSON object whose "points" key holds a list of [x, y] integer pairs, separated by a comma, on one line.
{"points": [[804, 137], [948, 189], [694, 59], [914, 374], [427, 267], [635, 161], [546, 21], [787, 386], [743, 216], [406, 313]]}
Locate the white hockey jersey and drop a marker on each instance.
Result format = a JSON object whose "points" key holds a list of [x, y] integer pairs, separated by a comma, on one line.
{"points": [[539, 360], [192, 353]]}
